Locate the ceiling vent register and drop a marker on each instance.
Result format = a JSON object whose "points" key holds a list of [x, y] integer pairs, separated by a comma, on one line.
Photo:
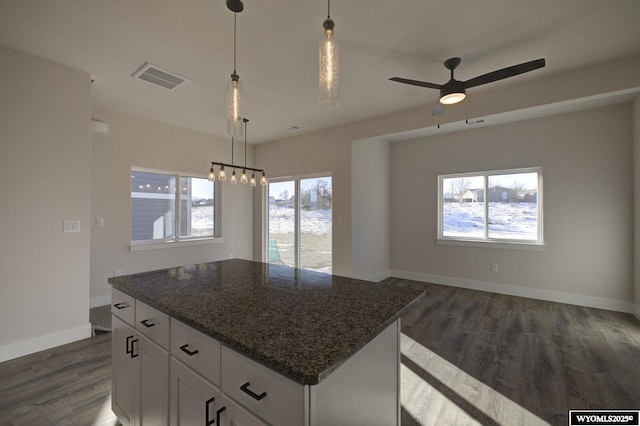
{"points": [[163, 78]]}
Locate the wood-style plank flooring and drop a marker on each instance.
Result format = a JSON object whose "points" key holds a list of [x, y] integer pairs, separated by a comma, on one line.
{"points": [[471, 357], [468, 357]]}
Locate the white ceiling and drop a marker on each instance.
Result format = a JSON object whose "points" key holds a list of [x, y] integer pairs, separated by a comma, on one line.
{"points": [[278, 51]]}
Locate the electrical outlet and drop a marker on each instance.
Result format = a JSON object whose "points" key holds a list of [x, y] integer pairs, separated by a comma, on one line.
{"points": [[494, 267]]}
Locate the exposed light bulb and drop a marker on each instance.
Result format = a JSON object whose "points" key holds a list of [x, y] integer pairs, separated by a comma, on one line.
{"points": [[212, 174], [243, 177], [263, 179], [252, 182], [234, 110], [234, 179], [222, 175], [329, 81]]}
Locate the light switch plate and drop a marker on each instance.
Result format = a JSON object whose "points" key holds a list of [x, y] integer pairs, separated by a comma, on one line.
{"points": [[71, 226]]}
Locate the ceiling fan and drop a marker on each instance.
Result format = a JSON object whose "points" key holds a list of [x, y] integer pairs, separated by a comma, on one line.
{"points": [[454, 91]]}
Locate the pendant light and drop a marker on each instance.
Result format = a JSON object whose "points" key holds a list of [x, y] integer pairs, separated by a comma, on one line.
{"points": [[234, 95], [222, 175], [329, 77]]}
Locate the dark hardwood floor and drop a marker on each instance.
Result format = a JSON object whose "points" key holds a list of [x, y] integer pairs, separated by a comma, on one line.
{"points": [[472, 357], [468, 357]]}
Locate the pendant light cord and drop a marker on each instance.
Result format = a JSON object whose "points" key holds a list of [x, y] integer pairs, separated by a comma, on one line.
{"points": [[328, 9], [235, 31], [245, 144]]}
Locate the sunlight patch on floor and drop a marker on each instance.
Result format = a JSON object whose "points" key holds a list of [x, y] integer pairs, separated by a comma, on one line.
{"points": [[418, 396], [105, 416]]}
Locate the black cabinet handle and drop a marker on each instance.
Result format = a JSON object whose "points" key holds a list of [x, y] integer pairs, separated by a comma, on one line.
{"points": [[129, 348], [132, 354], [184, 349], [208, 422], [146, 323], [245, 388], [218, 414], [120, 305]]}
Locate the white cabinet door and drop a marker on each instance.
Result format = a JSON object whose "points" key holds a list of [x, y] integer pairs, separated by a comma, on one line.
{"points": [[194, 401], [154, 384], [125, 380], [233, 415]]}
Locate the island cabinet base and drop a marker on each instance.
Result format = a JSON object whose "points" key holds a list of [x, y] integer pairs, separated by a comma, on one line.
{"points": [[166, 372], [365, 390]]}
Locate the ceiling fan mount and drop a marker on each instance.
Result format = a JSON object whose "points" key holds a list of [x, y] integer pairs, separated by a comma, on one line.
{"points": [[454, 91]]}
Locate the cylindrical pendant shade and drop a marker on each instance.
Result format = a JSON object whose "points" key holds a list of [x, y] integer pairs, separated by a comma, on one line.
{"points": [[329, 72], [234, 106]]}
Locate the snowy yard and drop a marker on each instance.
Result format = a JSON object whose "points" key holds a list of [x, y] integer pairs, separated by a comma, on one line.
{"points": [[506, 220]]}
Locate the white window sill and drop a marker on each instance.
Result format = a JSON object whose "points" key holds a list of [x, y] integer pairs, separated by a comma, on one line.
{"points": [[156, 245], [534, 246]]}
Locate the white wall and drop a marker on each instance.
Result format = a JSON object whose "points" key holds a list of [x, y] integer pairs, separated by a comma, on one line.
{"points": [[136, 142], [330, 150], [46, 178], [636, 209], [370, 177], [588, 202]]}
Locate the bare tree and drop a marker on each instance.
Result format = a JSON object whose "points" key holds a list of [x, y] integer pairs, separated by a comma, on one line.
{"points": [[519, 186], [459, 187]]}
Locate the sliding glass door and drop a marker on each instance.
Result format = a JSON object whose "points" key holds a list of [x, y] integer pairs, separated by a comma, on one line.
{"points": [[300, 223]]}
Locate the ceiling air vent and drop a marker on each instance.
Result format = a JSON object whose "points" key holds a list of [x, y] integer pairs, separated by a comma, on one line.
{"points": [[156, 75]]}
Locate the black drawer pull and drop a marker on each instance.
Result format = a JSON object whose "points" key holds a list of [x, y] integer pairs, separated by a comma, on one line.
{"points": [[245, 388], [146, 323], [129, 345], [132, 354], [184, 349], [120, 305], [208, 422], [218, 414]]}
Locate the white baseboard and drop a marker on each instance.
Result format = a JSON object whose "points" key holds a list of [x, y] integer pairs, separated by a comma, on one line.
{"points": [[41, 343], [532, 293], [105, 299], [379, 277]]}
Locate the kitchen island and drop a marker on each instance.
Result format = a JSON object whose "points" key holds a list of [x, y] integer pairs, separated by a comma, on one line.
{"points": [[285, 345]]}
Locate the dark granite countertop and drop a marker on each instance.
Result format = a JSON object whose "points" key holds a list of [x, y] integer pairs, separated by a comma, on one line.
{"points": [[300, 323]]}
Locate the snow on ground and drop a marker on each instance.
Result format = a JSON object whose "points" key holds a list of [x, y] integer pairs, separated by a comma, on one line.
{"points": [[312, 222], [506, 220]]}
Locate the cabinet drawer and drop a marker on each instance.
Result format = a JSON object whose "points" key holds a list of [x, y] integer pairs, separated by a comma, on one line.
{"points": [[152, 323], [266, 393], [196, 350], [123, 306]]}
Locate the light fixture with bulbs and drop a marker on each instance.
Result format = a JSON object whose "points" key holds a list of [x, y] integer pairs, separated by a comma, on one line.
{"points": [[329, 72], [234, 94], [222, 174]]}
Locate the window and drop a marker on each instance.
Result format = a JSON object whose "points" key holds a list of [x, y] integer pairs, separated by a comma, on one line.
{"points": [[300, 223], [170, 208], [501, 206]]}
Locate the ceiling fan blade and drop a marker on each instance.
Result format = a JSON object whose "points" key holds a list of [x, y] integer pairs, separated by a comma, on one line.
{"points": [[417, 83], [505, 73], [438, 109]]}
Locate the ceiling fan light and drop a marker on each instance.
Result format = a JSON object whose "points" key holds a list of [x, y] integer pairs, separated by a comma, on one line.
{"points": [[452, 98]]}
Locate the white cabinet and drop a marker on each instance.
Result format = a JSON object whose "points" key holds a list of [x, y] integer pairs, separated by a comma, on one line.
{"points": [[165, 372], [270, 395], [125, 363], [140, 385], [196, 402]]}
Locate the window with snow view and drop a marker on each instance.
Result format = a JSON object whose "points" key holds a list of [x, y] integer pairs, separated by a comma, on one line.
{"points": [[168, 207], [500, 206], [299, 223]]}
